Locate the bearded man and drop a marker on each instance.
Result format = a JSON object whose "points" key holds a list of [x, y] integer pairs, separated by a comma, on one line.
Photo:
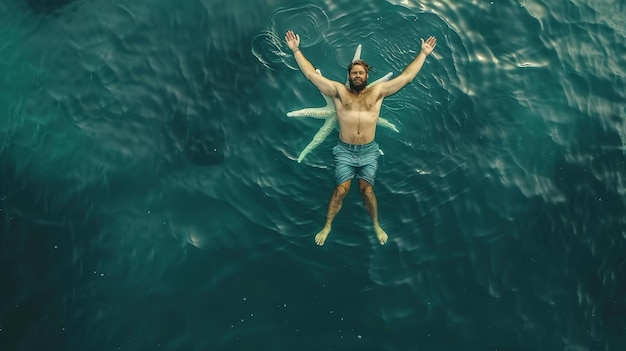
{"points": [[358, 107]]}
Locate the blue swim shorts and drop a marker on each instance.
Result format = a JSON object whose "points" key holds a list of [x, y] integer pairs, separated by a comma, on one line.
{"points": [[356, 160]]}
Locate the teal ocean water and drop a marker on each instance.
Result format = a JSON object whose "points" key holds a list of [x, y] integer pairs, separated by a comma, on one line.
{"points": [[151, 197]]}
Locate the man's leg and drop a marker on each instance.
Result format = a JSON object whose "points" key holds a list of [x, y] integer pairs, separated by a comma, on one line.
{"points": [[367, 191], [334, 206]]}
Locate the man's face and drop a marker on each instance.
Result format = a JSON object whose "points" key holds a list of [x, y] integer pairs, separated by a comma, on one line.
{"points": [[358, 78]]}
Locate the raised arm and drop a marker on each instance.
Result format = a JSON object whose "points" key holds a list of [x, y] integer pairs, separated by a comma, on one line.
{"points": [[325, 85], [410, 72]]}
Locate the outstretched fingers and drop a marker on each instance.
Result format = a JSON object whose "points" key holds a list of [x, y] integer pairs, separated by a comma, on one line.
{"points": [[290, 35], [432, 41], [292, 39], [428, 45]]}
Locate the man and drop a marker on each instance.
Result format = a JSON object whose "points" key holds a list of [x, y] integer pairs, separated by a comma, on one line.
{"points": [[358, 107]]}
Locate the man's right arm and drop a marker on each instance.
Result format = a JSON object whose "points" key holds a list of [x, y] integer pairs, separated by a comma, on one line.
{"points": [[324, 84]]}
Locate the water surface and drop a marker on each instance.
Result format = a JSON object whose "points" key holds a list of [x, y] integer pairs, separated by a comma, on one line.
{"points": [[150, 196]]}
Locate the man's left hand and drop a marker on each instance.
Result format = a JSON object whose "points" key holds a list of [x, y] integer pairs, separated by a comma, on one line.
{"points": [[428, 45]]}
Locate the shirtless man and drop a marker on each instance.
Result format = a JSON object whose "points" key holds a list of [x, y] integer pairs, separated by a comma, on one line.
{"points": [[358, 107]]}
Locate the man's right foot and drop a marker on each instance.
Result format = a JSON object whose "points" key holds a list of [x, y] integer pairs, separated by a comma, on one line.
{"points": [[322, 235]]}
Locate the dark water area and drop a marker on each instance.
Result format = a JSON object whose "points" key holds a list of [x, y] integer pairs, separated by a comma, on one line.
{"points": [[46, 6], [151, 197]]}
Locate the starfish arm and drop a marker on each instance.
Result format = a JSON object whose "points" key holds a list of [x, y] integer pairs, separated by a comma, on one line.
{"points": [[357, 53], [386, 124], [319, 137], [329, 102], [314, 112], [327, 111], [385, 78]]}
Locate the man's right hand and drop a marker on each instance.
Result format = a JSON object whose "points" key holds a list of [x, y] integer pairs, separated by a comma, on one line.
{"points": [[293, 40]]}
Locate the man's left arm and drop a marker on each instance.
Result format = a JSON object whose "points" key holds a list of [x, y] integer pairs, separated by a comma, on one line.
{"points": [[410, 72]]}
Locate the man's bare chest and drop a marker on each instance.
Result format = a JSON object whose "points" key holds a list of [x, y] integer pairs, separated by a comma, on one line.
{"points": [[365, 101]]}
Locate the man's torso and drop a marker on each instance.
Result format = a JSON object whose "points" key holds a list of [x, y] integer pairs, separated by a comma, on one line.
{"points": [[358, 114]]}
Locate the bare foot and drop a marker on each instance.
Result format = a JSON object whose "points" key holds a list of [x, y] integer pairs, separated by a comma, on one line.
{"points": [[381, 235], [322, 235]]}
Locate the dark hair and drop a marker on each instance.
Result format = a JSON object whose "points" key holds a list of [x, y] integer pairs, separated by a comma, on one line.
{"points": [[362, 63]]}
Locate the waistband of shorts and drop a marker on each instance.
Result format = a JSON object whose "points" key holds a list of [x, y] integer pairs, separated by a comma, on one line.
{"points": [[356, 146]]}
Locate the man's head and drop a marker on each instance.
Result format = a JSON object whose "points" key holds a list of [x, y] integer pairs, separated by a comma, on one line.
{"points": [[357, 75]]}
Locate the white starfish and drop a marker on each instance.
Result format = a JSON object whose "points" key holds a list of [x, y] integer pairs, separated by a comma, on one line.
{"points": [[329, 114]]}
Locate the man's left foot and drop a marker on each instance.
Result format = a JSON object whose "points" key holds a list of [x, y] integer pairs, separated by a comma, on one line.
{"points": [[381, 235], [322, 235]]}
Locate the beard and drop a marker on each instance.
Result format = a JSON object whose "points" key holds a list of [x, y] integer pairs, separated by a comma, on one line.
{"points": [[358, 87]]}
